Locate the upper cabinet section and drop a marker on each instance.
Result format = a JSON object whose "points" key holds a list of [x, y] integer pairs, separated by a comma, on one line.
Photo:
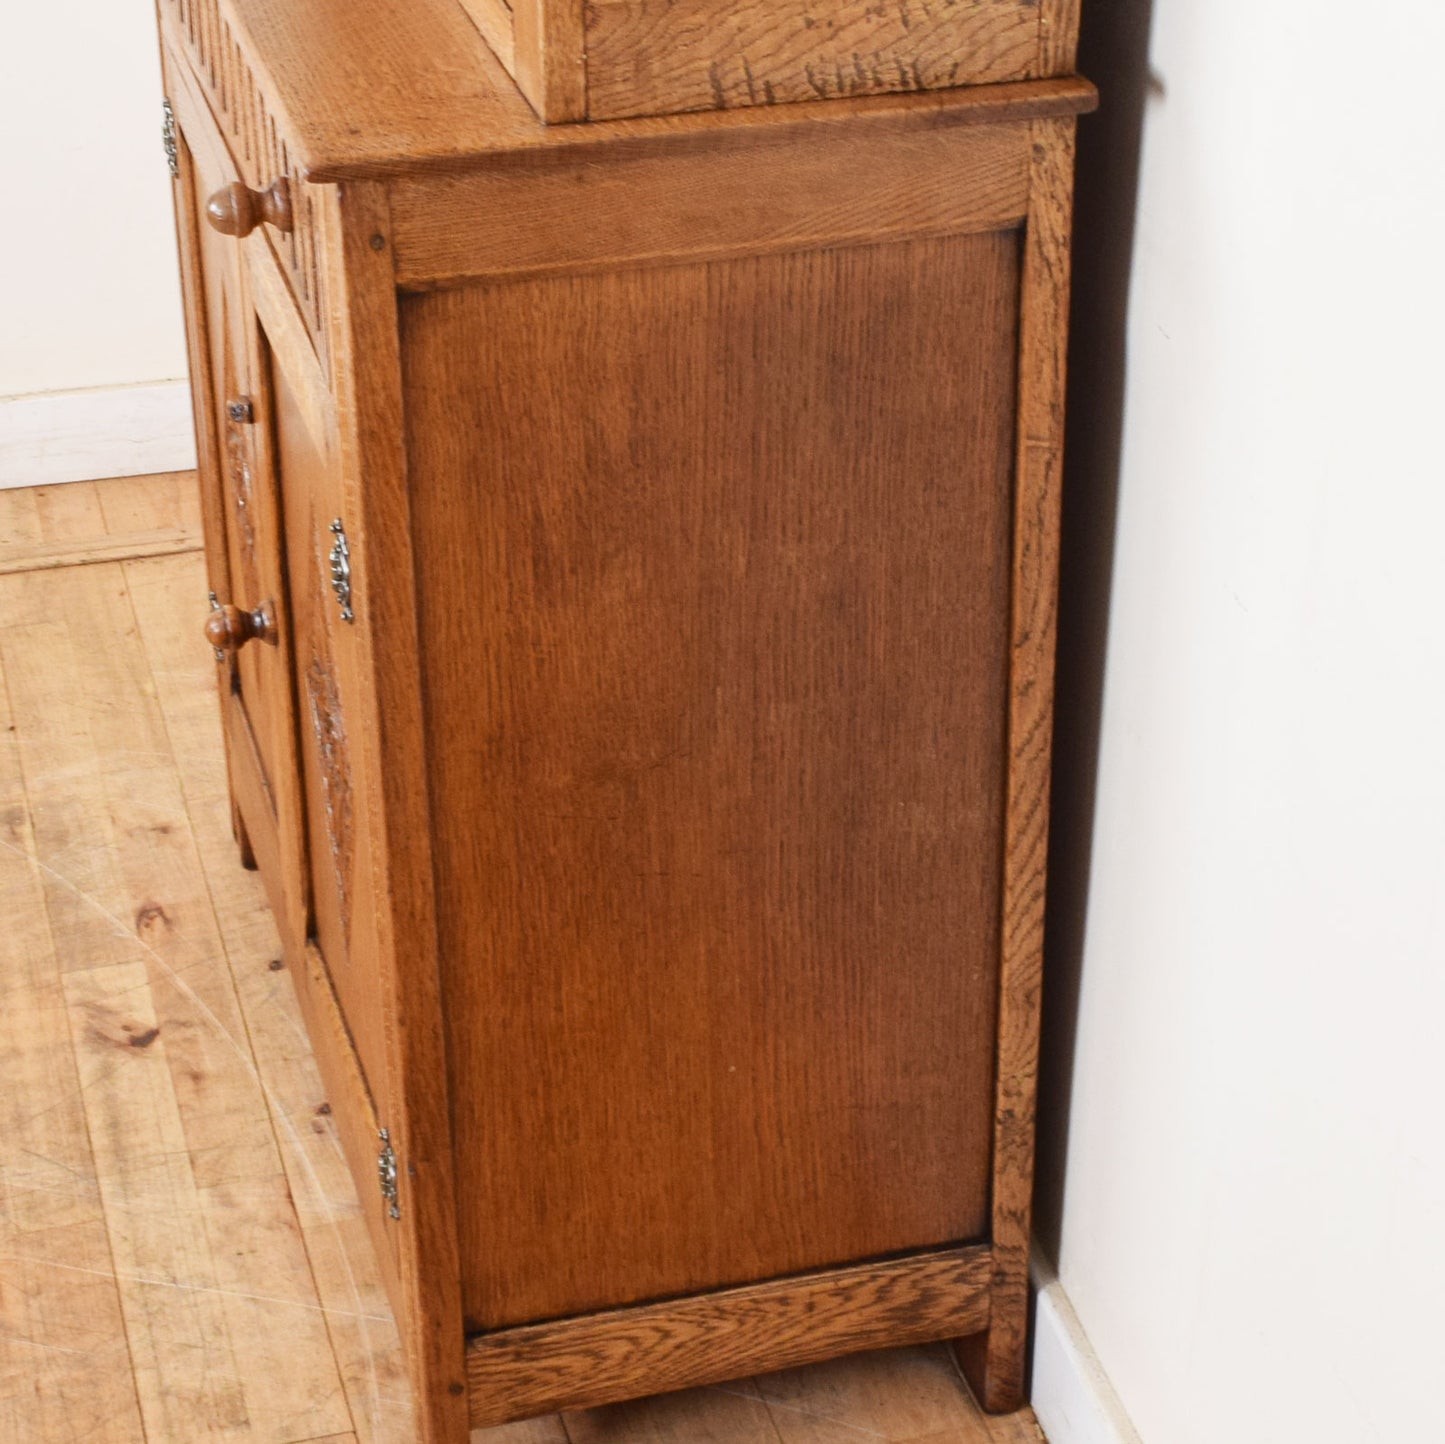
{"points": [[613, 59]]}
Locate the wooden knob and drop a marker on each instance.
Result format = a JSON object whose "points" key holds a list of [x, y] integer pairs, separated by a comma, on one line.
{"points": [[228, 628], [236, 210]]}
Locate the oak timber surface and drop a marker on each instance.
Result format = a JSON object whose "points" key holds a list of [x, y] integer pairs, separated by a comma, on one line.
{"points": [[182, 1255], [719, 54], [612, 58], [712, 937], [411, 84]]}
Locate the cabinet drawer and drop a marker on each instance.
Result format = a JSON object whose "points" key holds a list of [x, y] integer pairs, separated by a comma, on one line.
{"points": [[608, 59], [285, 214]]}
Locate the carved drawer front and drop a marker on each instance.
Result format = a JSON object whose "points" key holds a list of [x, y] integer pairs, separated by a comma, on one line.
{"points": [[269, 198]]}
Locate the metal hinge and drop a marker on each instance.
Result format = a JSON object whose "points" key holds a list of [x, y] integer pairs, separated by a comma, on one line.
{"points": [[340, 559], [387, 1175], [168, 136]]}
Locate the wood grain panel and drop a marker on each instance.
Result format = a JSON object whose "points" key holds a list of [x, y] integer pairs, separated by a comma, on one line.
{"points": [[717, 559], [740, 200], [660, 1347], [652, 59]]}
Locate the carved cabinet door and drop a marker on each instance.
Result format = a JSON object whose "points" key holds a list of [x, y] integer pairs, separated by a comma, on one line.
{"points": [[328, 638], [289, 651], [247, 575]]}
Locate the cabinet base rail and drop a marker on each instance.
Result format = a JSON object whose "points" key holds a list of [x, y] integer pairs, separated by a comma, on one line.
{"points": [[602, 1358]]}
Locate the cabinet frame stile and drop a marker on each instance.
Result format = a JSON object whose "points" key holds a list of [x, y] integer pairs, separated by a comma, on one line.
{"points": [[364, 338], [995, 1362]]}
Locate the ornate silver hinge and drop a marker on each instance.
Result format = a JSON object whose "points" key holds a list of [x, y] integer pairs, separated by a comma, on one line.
{"points": [[387, 1176], [168, 136], [340, 559]]}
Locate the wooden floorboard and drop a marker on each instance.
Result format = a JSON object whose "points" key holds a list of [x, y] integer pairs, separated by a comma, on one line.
{"points": [[88, 522], [182, 1257]]}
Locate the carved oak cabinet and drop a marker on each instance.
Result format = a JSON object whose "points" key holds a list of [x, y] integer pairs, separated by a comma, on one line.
{"points": [[632, 545]]}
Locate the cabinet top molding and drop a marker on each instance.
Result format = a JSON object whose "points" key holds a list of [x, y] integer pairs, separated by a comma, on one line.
{"points": [[411, 84]]}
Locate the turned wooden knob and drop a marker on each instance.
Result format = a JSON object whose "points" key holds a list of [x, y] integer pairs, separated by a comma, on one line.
{"points": [[236, 210], [228, 628]]}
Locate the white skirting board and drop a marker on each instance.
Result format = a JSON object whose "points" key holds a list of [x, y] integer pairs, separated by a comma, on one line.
{"points": [[87, 435], [1072, 1396]]}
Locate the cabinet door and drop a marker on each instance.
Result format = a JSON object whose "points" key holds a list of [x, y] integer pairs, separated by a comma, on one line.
{"points": [[272, 489], [327, 638], [244, 542]]}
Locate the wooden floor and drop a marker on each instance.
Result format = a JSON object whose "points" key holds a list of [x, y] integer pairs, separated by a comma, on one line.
{"points": [[181, 1255]]}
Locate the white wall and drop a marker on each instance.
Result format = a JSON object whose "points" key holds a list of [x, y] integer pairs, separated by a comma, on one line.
{"points": [[88, 253], [1253, 1211]]}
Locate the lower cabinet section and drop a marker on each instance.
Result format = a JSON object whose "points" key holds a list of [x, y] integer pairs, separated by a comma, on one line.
{"points": [[633, 563]]}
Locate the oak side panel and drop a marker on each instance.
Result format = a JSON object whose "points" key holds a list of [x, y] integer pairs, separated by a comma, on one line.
{"points": [[601, 1358], [714, 629], [387, 757], [651, 59], [722, 202], [995, 1363]]}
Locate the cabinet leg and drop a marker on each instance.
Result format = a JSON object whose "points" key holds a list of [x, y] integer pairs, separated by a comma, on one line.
{"points": [[243, 838], [994, 1363]]}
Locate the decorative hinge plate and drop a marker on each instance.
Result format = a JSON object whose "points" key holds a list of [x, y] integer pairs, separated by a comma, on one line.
{"points": [[168, 137], [340, 559], [387, 1175]]}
